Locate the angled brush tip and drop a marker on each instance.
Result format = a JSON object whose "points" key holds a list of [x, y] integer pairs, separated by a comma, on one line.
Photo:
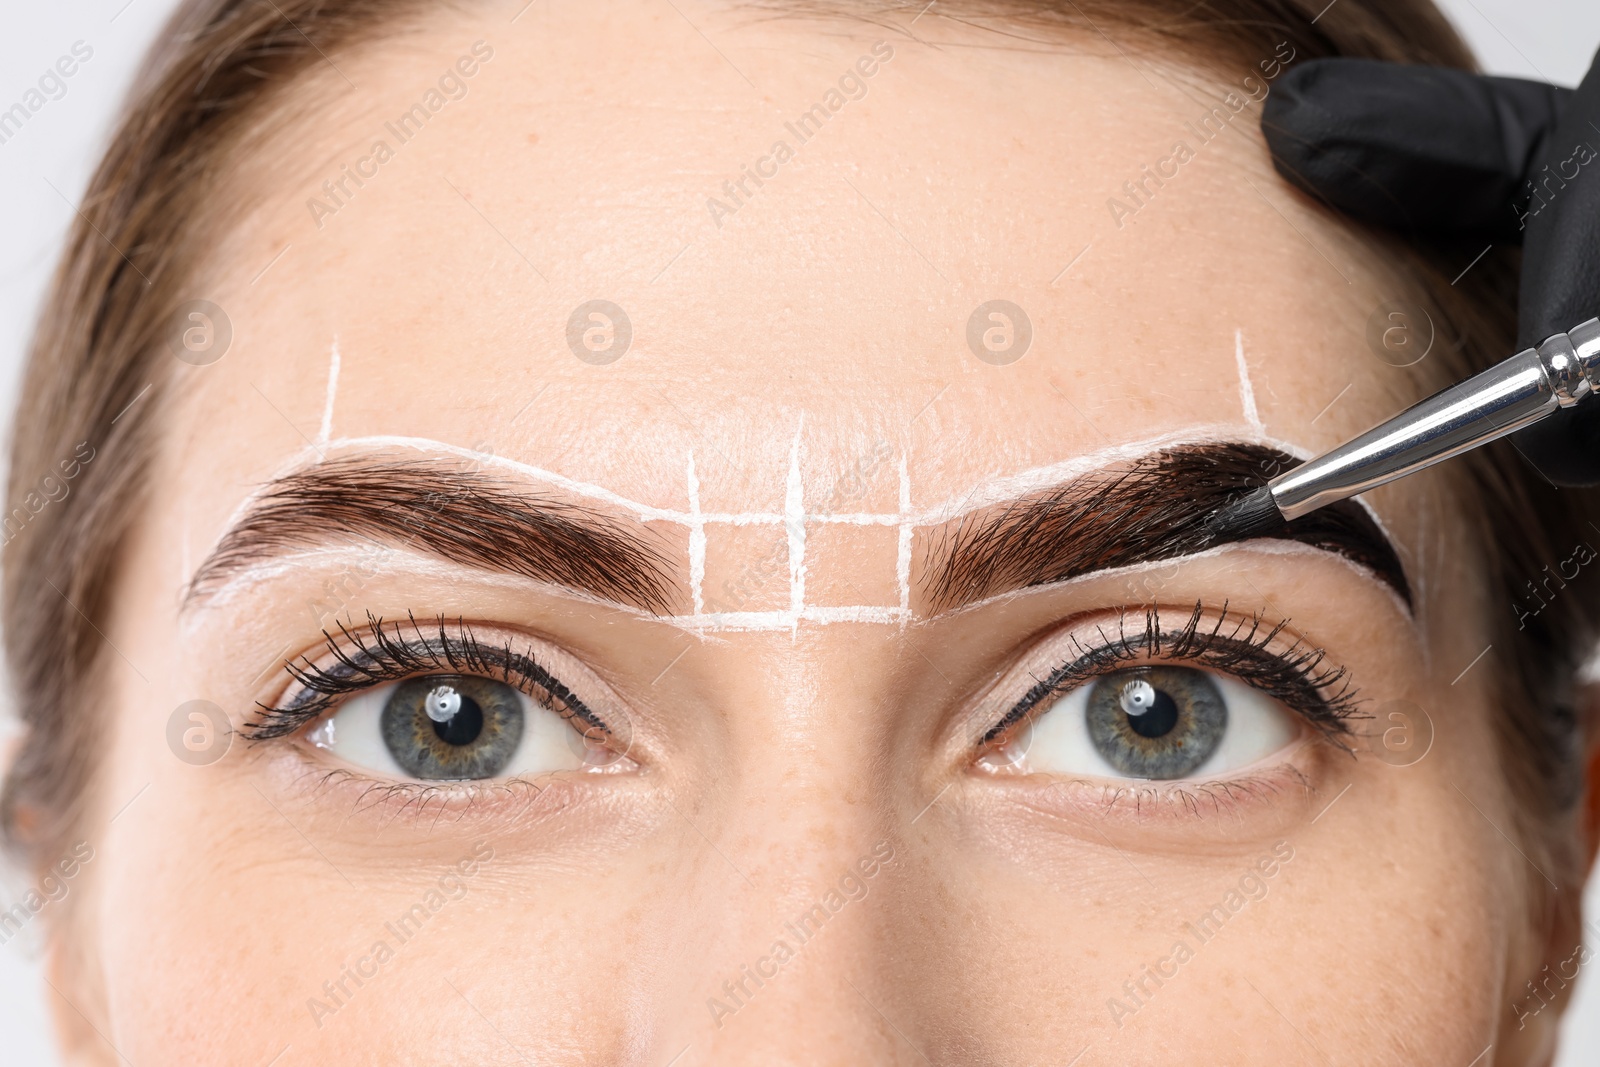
{"points": [[1252, 512]]}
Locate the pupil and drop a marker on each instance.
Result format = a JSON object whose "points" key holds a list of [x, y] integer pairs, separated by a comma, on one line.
{"points": [[464, 726], [1155, 713]]}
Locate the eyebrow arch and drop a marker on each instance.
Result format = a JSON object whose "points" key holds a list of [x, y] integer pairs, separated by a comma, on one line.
{"points": [[462, 516], [1154, 508]]}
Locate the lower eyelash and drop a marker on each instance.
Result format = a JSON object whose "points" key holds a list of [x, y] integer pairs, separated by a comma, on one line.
{"points": [[362, 660], [1294, 675], [1190, 799], [428, 801]]}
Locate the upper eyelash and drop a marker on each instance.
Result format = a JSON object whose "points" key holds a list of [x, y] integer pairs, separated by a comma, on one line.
{"points": [[359, 665], [1294, 675]]}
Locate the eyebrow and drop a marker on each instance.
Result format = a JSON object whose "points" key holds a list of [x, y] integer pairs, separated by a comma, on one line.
{"points": [[1154, 508], [463, 516]]}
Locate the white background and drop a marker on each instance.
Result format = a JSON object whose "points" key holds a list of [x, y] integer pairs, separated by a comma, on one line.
{"points": [[44, 168]]}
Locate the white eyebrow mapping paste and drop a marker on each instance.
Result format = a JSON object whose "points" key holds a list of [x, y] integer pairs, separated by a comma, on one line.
{"points": [[794, 517]]}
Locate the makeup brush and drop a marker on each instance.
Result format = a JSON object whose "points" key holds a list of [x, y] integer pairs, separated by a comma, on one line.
{"points": [[1532, 384]]}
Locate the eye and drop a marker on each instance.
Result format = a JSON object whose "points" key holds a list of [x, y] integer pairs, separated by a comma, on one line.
{"points": [[393, 698], [453, 727], [1151, 722]]}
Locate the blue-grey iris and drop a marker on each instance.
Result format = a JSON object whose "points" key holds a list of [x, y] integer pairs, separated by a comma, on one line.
{"points": [[448, 726], [1156, 721]]}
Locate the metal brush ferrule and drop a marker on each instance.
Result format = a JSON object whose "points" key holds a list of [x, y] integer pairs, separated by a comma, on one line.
{"points": [[1558, 373]]}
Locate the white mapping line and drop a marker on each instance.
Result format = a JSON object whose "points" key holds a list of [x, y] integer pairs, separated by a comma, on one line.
{"points": [[697, 540], [741, 518], [902, 559], [364, 561], [987, 493], [1004, 489], [992, 491], [794, 521], [1261, 548], [788, 620], [1247, 392], [333, 391], [645, 512], [367, 562], [859, 518], [309, 457]]}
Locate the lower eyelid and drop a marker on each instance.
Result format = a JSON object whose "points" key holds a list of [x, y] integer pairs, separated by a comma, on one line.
{"points": [[1279, 791]]}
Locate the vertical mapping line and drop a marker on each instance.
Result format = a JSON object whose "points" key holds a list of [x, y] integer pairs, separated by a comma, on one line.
{"points": [[794, 521], [325, 433], [1247, 392], [697, 539], [902, 561]]}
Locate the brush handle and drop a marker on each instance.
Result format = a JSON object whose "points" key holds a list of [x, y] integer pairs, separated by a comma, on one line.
{"points": [[1558, 373]]}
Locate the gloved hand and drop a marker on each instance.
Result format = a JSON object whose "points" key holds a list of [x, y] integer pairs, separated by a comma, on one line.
{"points": [[1430, 151]]}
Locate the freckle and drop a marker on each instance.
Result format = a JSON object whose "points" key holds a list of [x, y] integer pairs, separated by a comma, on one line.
{"points": [[533, 138]]}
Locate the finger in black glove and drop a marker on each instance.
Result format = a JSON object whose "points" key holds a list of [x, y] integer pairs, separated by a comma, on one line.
{"points": [[1438, 152]]}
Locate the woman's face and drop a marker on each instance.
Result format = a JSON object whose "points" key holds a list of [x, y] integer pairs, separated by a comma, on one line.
{"points": [[762, 676]]}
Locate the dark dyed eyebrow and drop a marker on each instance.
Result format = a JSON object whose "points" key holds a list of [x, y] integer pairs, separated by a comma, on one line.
{"points": [[1154, 508], [463, 516]]}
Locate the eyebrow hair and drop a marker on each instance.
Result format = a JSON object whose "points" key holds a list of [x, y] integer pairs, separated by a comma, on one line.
{"points": [[459, 515], [1152, 509]]}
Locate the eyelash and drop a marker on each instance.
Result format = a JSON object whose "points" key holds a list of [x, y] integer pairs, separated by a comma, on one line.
{"points": [[363, 660], [1294, 675]]}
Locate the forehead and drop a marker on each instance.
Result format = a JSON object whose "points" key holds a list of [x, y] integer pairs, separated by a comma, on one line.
{"points": [[602, 241]]}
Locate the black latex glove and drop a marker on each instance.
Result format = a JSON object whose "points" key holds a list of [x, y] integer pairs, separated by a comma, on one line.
{"points": [[1437, 152]]}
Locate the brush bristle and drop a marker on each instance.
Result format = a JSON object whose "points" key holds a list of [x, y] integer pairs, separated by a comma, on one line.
{"points": [[1253, 513]]}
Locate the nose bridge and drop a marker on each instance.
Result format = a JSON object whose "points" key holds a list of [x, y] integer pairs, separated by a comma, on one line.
{"points": [[792, 968], [791, 919]]}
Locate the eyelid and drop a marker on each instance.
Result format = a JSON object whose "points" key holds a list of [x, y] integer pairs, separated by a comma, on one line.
{"points": [[1294, 674], [369, 657]]}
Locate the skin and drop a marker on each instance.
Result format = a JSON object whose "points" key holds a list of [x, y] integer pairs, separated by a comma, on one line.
{"points": [[767, 764]]}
